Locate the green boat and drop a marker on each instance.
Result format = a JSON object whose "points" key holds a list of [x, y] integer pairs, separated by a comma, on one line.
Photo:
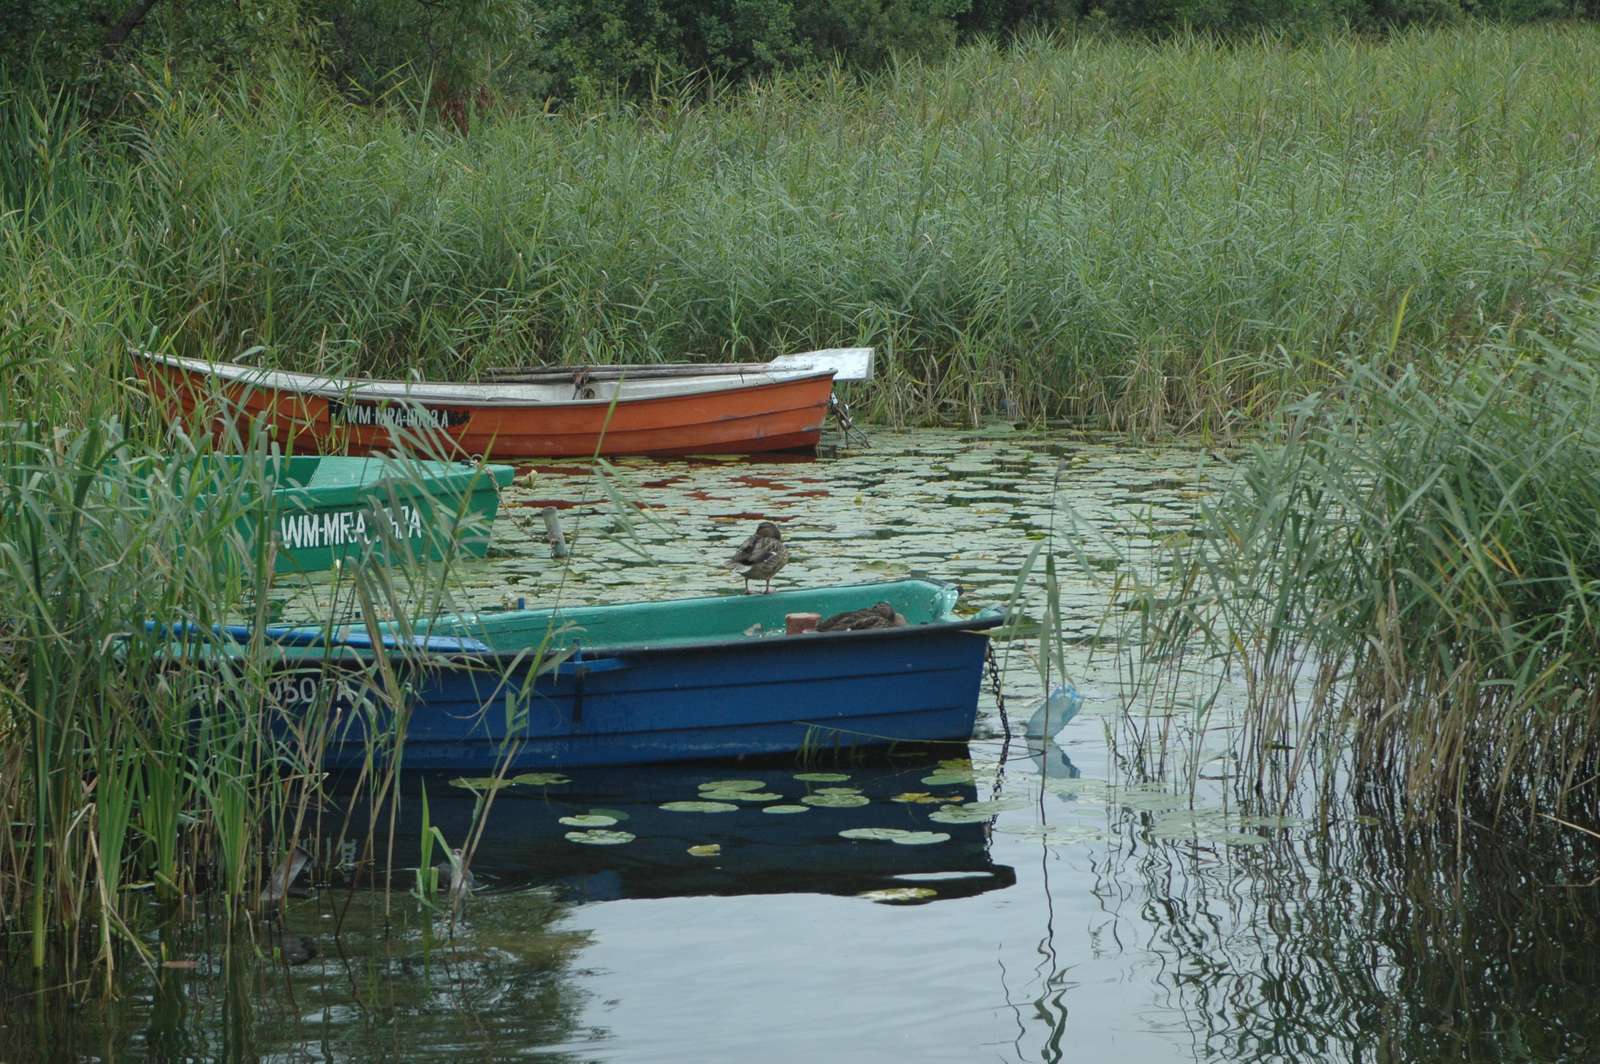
{"points": [[330, 510]]}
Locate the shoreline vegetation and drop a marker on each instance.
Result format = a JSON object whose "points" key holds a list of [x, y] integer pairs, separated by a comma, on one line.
{"points": [[1153, 238], [1182, 237]]}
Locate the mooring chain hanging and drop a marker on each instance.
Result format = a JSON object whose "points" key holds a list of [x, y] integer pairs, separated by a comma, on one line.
{"points": [[994, 680], [847, 421]]}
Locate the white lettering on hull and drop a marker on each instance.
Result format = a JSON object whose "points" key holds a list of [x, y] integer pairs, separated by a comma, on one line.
{"points": [[337, 528]]}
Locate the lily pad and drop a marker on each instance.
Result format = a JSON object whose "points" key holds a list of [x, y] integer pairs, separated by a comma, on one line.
{"points": [[947, 779], [838, 790], [740, 796], [1055, 832], [481, 783], [601, 837], [821, 777], [872, 833], [917, 798], [920, 838], [1269, 821], [708, 849], [998, 805], [1080, 788], [1152, 803], [899, 895], [733, 785], [541, 779], [959, 816], [699, 807], [589, 820], [836, 801], [785, 809]]}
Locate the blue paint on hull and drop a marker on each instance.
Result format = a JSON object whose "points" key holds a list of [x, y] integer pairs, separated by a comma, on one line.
{"points": [[720, 700]]}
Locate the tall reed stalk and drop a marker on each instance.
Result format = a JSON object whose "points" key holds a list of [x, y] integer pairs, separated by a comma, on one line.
{"points": [[1410, 582], [1135, 236]]}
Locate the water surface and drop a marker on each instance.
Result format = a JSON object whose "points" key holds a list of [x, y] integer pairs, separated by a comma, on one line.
{"points": [[1042, 902]]}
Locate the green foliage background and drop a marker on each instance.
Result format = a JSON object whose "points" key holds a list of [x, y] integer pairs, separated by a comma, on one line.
{"points": [[476, 51]]}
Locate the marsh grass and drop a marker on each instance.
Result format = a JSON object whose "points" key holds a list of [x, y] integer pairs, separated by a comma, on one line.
{"points": [[139, 768], [1409, 584], [1135, 236]]}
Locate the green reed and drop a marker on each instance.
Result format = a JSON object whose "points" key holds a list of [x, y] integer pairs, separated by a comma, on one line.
{"points": [[137, 757], [1137, 236], [1409, 581]]}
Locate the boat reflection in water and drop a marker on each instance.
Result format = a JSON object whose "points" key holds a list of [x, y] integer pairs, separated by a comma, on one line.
{"points": [[526, 843]]}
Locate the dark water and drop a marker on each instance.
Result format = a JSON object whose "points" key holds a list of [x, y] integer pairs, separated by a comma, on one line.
{"points": [[1049, 908]]}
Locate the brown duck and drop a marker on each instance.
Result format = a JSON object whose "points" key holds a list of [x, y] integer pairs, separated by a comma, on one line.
{"points": [[880, 615], [762, 555]]}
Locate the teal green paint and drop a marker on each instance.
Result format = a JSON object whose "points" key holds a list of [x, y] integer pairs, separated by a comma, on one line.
{"points": [[332, 510]]}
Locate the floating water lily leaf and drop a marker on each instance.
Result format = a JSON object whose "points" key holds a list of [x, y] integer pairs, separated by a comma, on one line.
{"points": [[1275, 821], [733, 785], [901, 895], [873, 833], [916, 798], [1055, 832], [1185, 823], [958, 816], [481, 783], [699, 807], [1152, 803], [947, 779], [838, 790], [836, 801], [920, 838], [600, 837], [1081, 788], [783, 809], [997, 805], [956, 764], [740, 796], [614, 814], [589, 820], [708, 849], [821, 777], [541, 779]]}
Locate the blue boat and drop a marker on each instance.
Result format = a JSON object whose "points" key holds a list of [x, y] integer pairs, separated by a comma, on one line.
{"points": [[637, 683]]}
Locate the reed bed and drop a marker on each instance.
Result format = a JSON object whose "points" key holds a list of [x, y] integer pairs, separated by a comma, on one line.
{"points": [[1409, 583], [1151, 237], [1180, 236], [137, 769]]}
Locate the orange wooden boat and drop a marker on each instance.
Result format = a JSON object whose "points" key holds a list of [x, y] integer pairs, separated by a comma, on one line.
{"points": [[609, 410]]}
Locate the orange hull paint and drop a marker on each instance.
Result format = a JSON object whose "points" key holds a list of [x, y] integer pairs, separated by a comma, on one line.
{"points": [[780, 416]]}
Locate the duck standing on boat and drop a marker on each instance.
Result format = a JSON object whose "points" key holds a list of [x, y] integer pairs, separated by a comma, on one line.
{"points": [[761, 556]]}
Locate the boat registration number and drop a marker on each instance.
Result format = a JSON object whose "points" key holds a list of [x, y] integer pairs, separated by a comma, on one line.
{"points": [[395, 415], [336, 528]]}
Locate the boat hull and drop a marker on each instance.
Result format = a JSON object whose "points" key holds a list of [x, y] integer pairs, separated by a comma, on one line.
{"points": [[636, 683], [765, 414], [774, 697]]}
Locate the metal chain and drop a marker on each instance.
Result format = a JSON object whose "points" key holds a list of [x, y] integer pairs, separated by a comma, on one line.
{"points": [[994, 681], [847, 422]]}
